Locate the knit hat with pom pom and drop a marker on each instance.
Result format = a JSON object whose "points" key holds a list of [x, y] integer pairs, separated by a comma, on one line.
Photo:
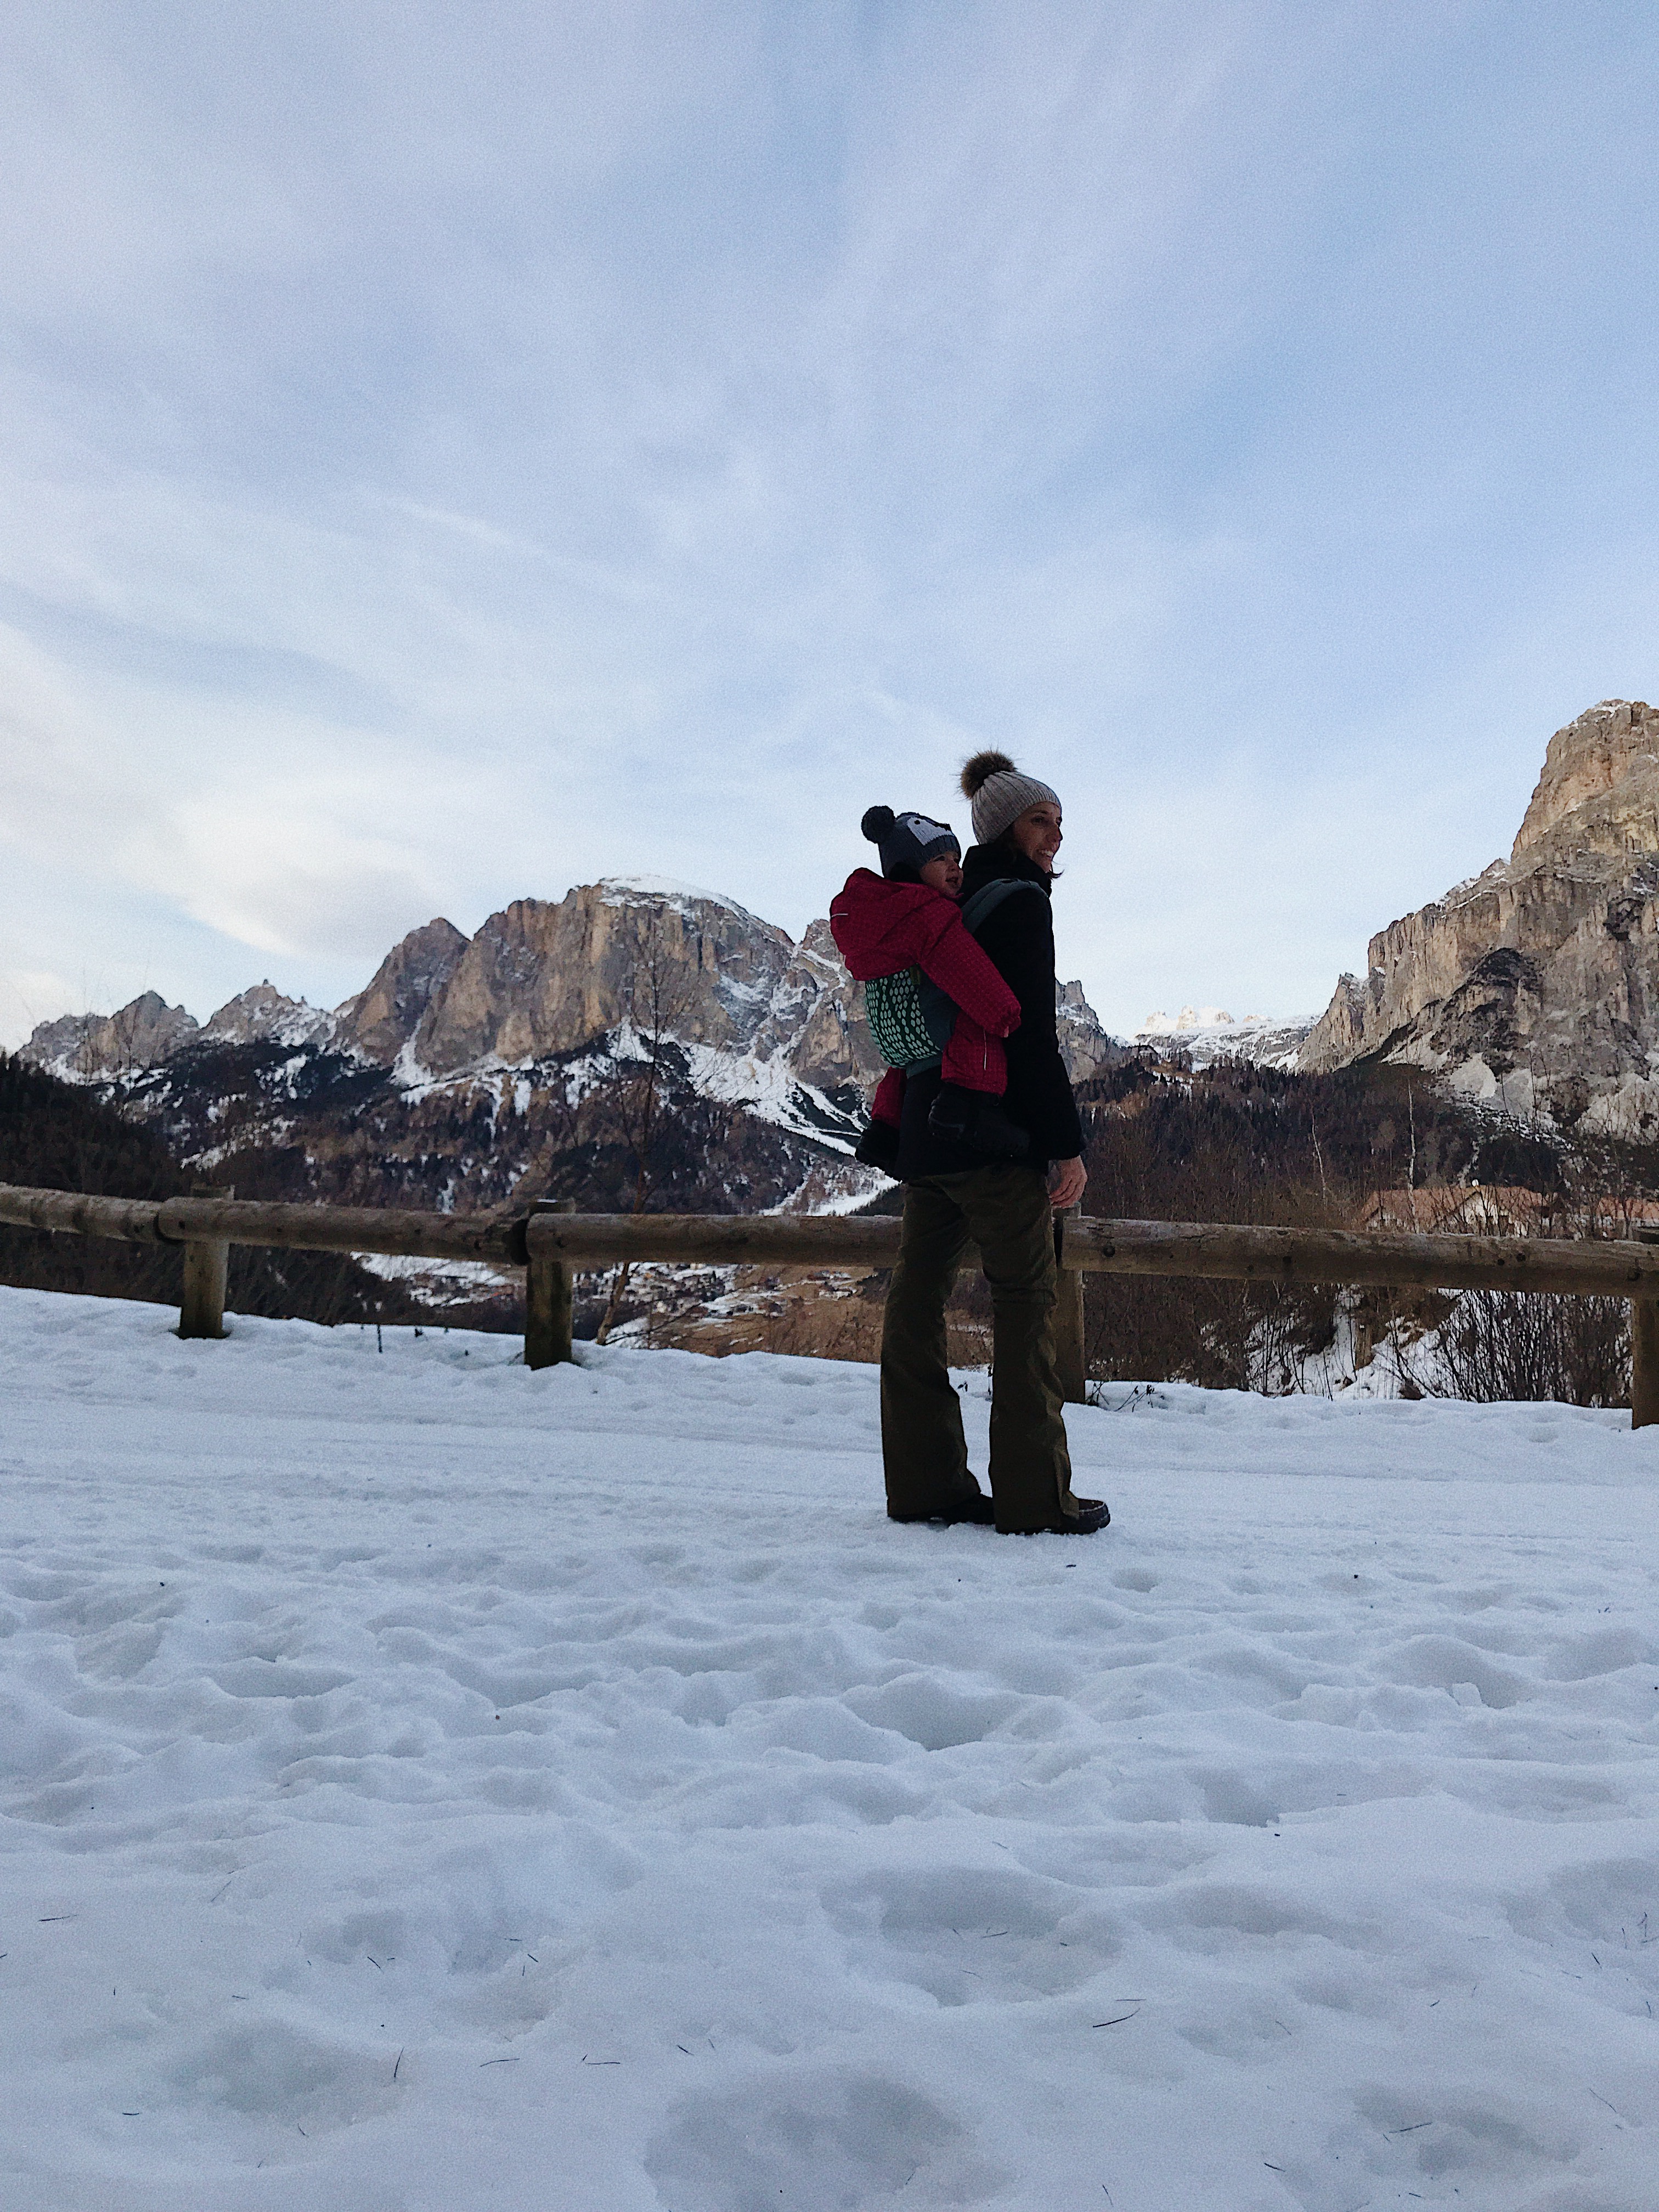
{"points": [[908, 841], [1000, 795]]}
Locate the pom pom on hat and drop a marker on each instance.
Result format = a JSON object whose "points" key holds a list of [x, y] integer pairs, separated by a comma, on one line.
{"points": [[877, 823], [976, 771]]}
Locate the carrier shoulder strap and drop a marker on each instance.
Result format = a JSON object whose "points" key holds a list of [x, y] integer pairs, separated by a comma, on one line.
{"points": [[989, 896]]}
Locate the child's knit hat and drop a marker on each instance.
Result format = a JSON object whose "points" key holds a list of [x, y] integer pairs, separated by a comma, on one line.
{"points": [[908, 841]]}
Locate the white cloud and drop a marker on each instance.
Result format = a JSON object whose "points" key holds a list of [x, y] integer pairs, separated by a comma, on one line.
{"points": [[451, 458]]}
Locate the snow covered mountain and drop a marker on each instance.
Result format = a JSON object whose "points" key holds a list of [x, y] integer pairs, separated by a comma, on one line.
{"points": [[1205, 1033], [466, 1066]]}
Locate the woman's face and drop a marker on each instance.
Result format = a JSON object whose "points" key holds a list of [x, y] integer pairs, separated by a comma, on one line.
{"points": [[1037, 834]]}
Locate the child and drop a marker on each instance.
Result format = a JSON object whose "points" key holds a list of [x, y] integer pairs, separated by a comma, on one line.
{"points": [[933, 998]]}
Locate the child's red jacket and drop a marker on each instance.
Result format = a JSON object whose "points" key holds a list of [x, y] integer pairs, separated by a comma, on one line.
{"points": [[882, 927]]}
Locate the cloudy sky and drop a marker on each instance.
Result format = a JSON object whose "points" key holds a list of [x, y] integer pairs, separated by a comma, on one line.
{"points": [[454, 453]]}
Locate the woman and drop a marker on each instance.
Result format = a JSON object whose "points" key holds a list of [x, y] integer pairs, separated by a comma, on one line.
{"points": [[953, 1196]]}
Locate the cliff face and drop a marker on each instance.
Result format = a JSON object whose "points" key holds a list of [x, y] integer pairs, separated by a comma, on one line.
{"points": [[1598, 790], [815, 1021], [543, 978], [138, 1035], [382, 1018], [1535, 983]]}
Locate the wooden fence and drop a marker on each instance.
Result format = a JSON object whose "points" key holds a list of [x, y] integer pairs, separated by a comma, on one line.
{"points": [[552, 1242]]}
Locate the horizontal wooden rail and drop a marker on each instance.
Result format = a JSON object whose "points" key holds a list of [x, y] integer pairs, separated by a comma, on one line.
{"points": [[399, 1231], [717, 1240], [131, 1220], [1123, 1247], [553, 1244], [1393, 1259]]}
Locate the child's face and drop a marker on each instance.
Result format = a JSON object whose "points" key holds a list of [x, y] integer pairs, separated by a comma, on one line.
{"points": [[943, 874]]}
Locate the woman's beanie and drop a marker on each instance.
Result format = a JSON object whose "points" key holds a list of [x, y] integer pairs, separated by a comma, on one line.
{"points": [[908, 841], [999, 794]]}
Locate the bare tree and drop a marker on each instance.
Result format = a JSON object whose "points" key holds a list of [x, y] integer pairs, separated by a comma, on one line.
{"points": [[1500, 1345]]}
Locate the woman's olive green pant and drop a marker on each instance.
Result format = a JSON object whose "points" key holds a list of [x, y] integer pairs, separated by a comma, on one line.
{"points": [[1004, 1211]]}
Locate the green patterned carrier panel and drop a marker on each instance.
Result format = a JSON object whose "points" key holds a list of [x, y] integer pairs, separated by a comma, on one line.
{"points": [[910, 1019]]}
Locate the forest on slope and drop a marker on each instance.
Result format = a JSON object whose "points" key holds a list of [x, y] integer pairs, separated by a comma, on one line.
{"points": [[59, 1136], [1240, 1143]]}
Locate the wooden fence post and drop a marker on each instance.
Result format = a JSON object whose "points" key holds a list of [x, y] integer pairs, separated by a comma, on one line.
{"points": [[1068, 1323], [1644, 1351], [207, 1262], [548, 1290], [1643, 1363]]}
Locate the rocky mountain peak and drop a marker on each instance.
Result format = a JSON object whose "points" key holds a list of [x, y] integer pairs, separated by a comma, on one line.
{"points": [[1084, 1046], [1189, 1017], [263, 1012], [547, 976], [1535, 984], [1599, 785], [138, 1035], [1204, 1035], [759, 1022], [385, 1015]]}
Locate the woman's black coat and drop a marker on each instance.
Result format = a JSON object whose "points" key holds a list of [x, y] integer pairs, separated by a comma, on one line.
{"points": [[1019, 934]]}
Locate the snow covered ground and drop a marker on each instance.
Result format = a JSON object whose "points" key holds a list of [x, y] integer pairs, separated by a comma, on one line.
{"points": [[427, 1785]]}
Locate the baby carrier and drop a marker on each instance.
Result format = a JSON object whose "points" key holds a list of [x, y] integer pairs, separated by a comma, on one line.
{"points": [[911, 1017]]}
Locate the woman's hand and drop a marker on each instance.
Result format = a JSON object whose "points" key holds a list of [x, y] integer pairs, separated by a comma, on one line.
{"points": [[1066, 1182]]}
